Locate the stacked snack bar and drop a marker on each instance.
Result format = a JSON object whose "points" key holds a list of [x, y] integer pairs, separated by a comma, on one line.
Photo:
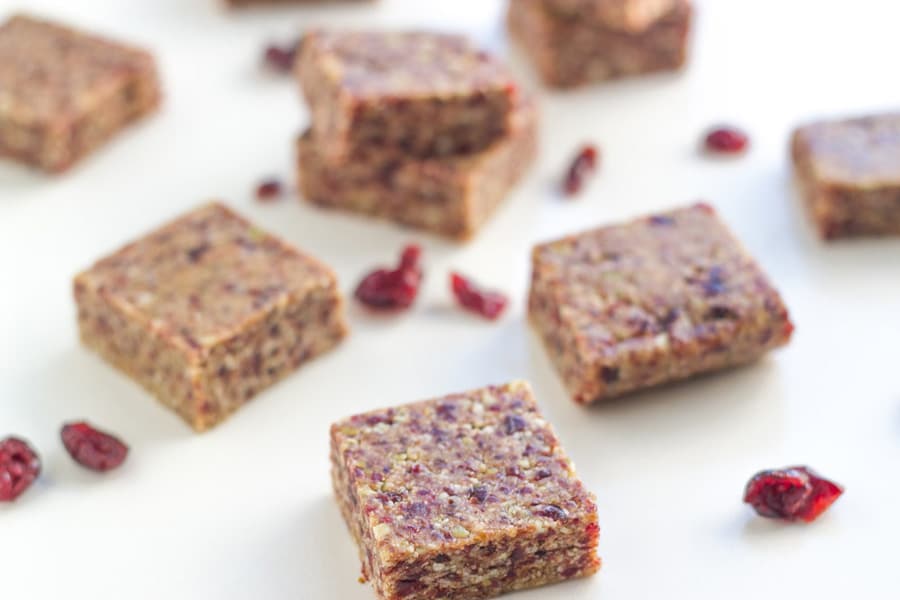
{"points": [[419, 128], [577, 42]]}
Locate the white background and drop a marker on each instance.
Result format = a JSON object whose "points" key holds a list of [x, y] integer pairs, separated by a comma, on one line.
{"points": [[245, 511]]}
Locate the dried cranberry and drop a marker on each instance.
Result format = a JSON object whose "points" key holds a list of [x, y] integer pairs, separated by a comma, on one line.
{"points": [[19, 467], [269, 190], [488, 304], [551, 511], [726, 140], [386, 289], [281, 58], [478, 493], [609, 374], [791, 494], [514, 423], [92, 448], [584, 163]]}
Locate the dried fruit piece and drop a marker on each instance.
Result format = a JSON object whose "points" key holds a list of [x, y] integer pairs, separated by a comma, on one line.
{"points": [[269, 190], [92, 448], [726, 140], [488, 304], [19, 467], [584, 164], [281, 58], [792, 493], [388, 289]]}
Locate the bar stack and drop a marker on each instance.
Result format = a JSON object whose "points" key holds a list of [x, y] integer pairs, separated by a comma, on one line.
{"points": [[422, 129]]}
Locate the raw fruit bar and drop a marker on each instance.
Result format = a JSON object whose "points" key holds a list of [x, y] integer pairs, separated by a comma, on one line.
{"points": [[850, 174], [63, 93], [208, 311], [465, 496], [425, 94], [451, 196], [655, 300], [570, 51]]}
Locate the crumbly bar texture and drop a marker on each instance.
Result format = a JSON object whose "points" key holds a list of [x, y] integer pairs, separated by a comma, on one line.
{"points": [[570, 51], [462, 497], [850, 174], [656, 300], [451, 196], [633, 16], [207, 311], [426, 94], [63, 93]]}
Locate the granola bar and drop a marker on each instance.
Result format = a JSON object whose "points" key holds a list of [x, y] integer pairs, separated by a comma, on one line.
{"points": [[850, 173], [63, 93], [570, 51], [656, 300], [425, 94], [452, 196], [208, 311], [461, 497]]}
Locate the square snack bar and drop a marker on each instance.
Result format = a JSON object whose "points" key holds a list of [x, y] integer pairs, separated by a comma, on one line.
{"points": [[207, 311], [627, 15], [570, 51], [452, 196], [656, 300], [465, 496], [425, 94], [63, 92], [850, 174]]}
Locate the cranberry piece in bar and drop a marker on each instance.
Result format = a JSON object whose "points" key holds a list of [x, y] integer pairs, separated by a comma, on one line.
{"points": [[422, 93], [794, 493], [92, 448], [658, 299], [64, 93], [452, 196], [389, 289], [462, 507], [849, 173], [569, 50], [208, 311], [281, 58], [726, 140], [269, 190], [19, 467], [489, 304]]}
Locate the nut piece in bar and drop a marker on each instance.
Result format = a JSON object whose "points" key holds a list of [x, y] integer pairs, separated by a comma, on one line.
{"points": [[659, 299], [632, 16], [465, 496], [425, 94], [570, 51], [850, 174], [63, 93], [208, 311], [451, 196]]}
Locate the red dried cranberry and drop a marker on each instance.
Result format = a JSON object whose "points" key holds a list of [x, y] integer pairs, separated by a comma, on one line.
{"points": [[386, 289], [488, 304], [584, 164], [726, 140], [92, 448], [281, 58], [269, 190], [19, 467], [791, 494]]}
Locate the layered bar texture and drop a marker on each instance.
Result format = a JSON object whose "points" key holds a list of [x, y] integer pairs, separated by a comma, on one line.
{"points": [[451, 196], [850, 174], [424, 94], [63, 93], [462, 497], [569, 50], [655, 300], [208, 311]]}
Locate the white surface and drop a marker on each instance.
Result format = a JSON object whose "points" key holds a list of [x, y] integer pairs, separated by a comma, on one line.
{"points": [[245, 511]]}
